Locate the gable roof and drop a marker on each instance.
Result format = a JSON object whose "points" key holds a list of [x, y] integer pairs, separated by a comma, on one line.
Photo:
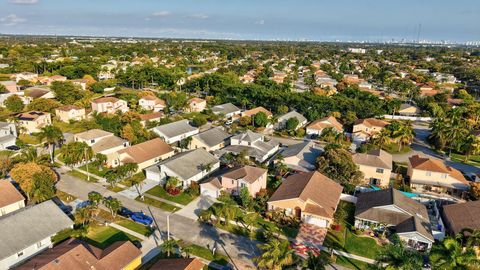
{"points": [[105, 99], [435, 165], [31, 115], [146, 150], [225, 108], [67, 108], [312, 186], [247, 173], [292, 114], [462, 215], [372, 122], [256, 110], [326, 122], [178, 264], [175, 128], [9, 194], [196, 100], [108, 143], [93, 134], [150, 116], [248, 136], [27, 226], [374, 158], [306, 152], [213, 136]]}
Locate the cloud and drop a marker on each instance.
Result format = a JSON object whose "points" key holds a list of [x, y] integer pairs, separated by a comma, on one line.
{"points": [[199, 16], [12, 19], [24, 2], [260, 22], [162, 13]]}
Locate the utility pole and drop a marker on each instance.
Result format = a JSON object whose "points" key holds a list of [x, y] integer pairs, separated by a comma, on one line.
{"points": [[88, 174]]}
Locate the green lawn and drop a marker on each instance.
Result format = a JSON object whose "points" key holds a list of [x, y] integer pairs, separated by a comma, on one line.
{"points": [[182, 198], [158, 204], [473, 160], [205, 253], [64, 197], [134, 226], [115, 189], [351, 263], [95, 170], [134, 179], [62, 235], [81, 176], [28, 139], [104, 236], [75, 127], [393, 148], [6, 152]]}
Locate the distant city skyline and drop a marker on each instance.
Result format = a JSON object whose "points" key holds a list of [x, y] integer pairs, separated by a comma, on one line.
{"points": [[343, 20]]}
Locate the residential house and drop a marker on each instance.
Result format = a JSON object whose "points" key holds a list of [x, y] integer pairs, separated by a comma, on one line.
{"points": [[33, 121], [457, 217], [228, 110], [27, 76], [150, 103], [69, 113], [145, 154], [301, 157], [376, 166], [10, 198], [254, 111], [390, 208], [178, 264], [351, 79], [251, 143], [409, 110], [317, 126], [49, 80], [282, 120], [432, 175], [33, 93], [252, 178], [109, 105], [365, 129], [176, 131], [11, 86], [312, 197], [8, 135], [188, 167], [79, 255], [210, 140], [28, 231], [150, 117], [82, 83], [196, 105], [103, 142]]}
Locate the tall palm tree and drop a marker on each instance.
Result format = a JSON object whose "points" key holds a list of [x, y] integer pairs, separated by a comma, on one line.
{"points": [[318, 262], [276, 254], [451, 255], [405, 135], [382, 138], [52, 136], [470, 146], [169, 246], [396, 256]]}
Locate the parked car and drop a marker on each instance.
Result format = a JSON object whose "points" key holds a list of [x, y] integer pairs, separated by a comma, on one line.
{"points": [[83, 204], [141, 218], [13, 148], [125, 212]]}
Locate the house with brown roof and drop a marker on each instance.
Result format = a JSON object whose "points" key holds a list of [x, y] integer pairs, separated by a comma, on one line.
{"points": [[252, 178], [82, 83], [150, 103], [365, 129], [33, 121], [10, 198], [409, 110], [254, 111], [196, 104], [69, 113], [391, 209], [317, 126], [312, 197], [376, 166], [457, 217], [11, 86], [109, 105], [178, 264], [432, 175], [103, 142], [145, 154], [36, 92], [151, 117], [79, 255]]}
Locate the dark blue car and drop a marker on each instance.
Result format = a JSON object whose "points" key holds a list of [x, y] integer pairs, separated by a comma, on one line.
{"points": [[125, 212], [83, 204], [141, 218]]}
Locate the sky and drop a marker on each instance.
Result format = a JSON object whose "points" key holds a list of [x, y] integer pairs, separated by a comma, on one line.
{"points": [[345, 20]]}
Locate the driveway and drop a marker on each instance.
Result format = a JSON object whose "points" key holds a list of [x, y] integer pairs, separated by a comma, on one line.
{"points": [[132, 192], [195, 207]]}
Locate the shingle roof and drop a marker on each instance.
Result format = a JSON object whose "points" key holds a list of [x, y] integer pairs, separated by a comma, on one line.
{"points": [[292, 114], [462, 215], [247, 173], [248, 136], [225, 108], [435, 165], [305, 151], [256, 110], [374, 158], [29, 116], [313, 186], [9, 194], [29, 225], [68, 108], [93, 134], [105, 99], [327, 122], [147, 150], [108, 143], [372, 122], [178, 264], [213, 136], [176, 128], [150, 116]]}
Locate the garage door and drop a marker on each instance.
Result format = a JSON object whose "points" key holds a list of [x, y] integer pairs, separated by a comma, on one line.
{"points": [[316, 221], [208, 192]]}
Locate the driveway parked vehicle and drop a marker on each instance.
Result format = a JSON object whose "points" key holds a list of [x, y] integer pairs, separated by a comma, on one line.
{"points": [[142, 218]]}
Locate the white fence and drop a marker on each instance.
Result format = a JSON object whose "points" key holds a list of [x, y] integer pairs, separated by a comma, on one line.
{"points": [[348, 198], [411, 118]]}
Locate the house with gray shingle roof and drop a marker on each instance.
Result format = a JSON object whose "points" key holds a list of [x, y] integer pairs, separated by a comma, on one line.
{"points": [[210, 140], [376, 166], [175, 131], [302, 156], [282, 120], [227, 109], [188, 167], [28, 231], [253, 144]]}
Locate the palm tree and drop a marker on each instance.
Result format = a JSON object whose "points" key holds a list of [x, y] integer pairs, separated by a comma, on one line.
{"points": [[169, 246], [113, 204], [382, 138], [52, 136], [318, 262], [451, 255], [84, 215], [473, 239], [275, 255], [405, 135], [396, 256], [470, 146]]}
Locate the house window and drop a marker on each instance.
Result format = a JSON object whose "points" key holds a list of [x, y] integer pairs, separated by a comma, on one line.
{"points": [[243, 185], [39, 244], [428, 173], [444, 176], [92, 141], [19, 254], [233, 182], [379, 170]]}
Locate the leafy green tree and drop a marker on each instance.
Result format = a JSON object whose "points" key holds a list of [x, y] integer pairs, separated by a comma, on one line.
{"points": [[245, 198], [113, 204], [199, 121], [51, 135], [451, 255], [292, 124], [76, 152], [260, 119], [169, 246], [43, 105], [275, 255], [43, 187], [84, 215], [14, 103], [396, 256], [95, 197], [316, 262], [66, 92], [3, 89], [337, 163]]}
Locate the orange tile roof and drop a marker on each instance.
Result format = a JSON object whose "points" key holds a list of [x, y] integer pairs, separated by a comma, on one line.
{"points": [[147, 150], [372, 122], [178, 264], [326, 122], [9, 194], [256, 110], [435, 165], [105, 99]]}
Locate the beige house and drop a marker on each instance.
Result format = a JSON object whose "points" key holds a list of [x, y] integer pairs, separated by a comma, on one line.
{"points": [[10, 198], [364, 129], [432, 175], [33, 121], [82, 83], [254, 111], [252, 178], [145, 154], [409, 110], [376, 167], [196, 104], [103, 142], [152, 103], [150, 117], [317, 126], [312, 197], [11, 86], [109, 105], [210, 140], [70, 112]]}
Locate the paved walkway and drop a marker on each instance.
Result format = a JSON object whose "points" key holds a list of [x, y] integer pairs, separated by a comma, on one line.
{"points": [[194, 208], [134, 191]]}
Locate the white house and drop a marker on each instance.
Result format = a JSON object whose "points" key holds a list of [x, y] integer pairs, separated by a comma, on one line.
{"points": [[176, 131], [8, 135]]}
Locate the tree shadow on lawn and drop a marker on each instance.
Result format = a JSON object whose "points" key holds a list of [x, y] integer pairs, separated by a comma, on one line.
{"points": [[119, 236]]}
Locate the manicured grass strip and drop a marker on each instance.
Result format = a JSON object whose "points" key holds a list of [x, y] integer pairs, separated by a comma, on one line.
{"points": [[28, 139], [64, 197], [62, 235], [205, 253], [94, 169], [182, 198], [115, 188], [134, 226], [136, 178], [81, 176], [351, 263], [104, 236], [157, 204]]}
